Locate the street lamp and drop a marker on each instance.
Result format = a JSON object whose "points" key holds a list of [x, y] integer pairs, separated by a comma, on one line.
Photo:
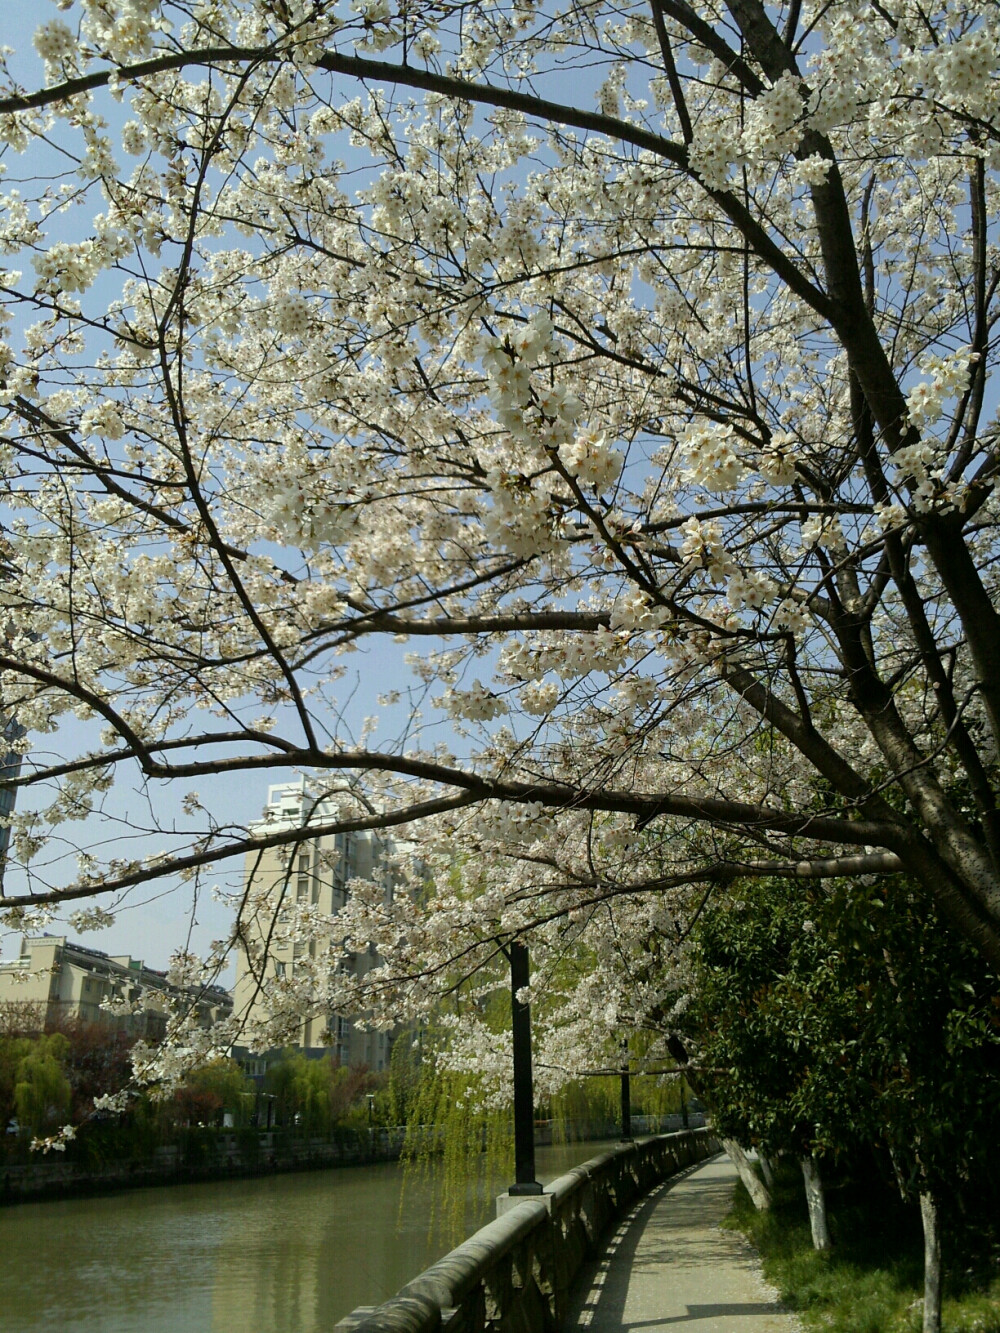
{"points": [[524, 1101], [626, 1095], [371, 1121]]}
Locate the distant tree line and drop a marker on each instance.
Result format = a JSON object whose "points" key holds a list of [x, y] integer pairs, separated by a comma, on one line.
{"points": [[51, 1077]]}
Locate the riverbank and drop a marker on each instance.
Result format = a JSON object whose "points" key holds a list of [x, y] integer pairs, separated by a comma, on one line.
{"points": [[203, 1155], [206, 1154]]}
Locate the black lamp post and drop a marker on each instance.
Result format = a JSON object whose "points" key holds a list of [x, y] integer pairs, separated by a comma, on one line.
{"points": [[626, 1095], [524, 1101]]}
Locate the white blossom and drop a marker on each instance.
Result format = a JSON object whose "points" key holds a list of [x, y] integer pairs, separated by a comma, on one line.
{"points": [[54, 41], [713, 458], [626, 428]]}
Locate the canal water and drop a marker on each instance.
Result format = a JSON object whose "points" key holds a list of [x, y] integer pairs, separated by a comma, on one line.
{"points": [[277, 1254]]}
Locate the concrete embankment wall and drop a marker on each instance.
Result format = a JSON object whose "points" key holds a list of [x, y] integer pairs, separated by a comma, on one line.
{"points": [[218, 1155], [516, 1273], [213, 1156]]}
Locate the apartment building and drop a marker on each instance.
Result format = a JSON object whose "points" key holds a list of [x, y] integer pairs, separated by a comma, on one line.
{"points": [[317, 871], [58, 980]]}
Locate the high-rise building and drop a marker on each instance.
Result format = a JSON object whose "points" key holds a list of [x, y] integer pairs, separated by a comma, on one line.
{"points": [[10, 768], [316, 871]]}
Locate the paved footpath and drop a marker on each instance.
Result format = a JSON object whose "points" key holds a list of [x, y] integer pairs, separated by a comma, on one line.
{"points": [[669, 1266]]}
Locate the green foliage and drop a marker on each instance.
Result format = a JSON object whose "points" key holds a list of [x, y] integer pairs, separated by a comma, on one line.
{"points": [[313, 1096], [652, 1095], [49, 1080], [13, 1049], [301, 1089], [210, 1091], [590, 1107], [127, 1138], [310, 1089], [585, 1103], [42, 1092], [773, 1016], [848, 1013], [450, 1124], [289, 1081], [405, 1077]]}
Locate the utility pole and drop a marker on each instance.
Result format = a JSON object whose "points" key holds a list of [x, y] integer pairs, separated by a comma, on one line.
{"points": [[524, 1101]]}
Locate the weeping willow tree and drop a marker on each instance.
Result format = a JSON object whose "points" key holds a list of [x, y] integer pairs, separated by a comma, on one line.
{"points": [[461, 1142], [458, 1116], [658, 1093], [590, 1107], [584, 1108], [459, 1133]]}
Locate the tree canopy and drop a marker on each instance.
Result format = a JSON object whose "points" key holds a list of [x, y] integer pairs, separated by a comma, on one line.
{"points": [[632, 363], [841, 1020]]}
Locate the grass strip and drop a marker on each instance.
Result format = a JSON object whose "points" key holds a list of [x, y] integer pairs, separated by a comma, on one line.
{"points": [[872, 1279]]}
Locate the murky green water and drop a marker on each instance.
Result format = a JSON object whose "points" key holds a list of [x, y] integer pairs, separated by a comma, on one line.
{"points": [[282, 1254]]}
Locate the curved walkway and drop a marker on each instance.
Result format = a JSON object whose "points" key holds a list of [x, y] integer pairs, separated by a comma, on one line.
{"points": [[669, 1266]]}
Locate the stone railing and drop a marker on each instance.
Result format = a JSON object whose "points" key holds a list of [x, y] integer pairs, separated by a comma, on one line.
{"points": [[515, 1274]]}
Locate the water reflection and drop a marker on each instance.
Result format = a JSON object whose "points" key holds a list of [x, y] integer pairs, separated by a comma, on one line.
{"points": [[282, 1254]]}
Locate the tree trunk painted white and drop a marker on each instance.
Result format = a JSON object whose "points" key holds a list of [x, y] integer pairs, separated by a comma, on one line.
{"points": [[754, 1185], [767, 1171], [816, 1199], [932, 1264]]}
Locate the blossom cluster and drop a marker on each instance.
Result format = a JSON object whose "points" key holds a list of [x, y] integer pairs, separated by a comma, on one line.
{"points": [[713, 458], [591, 459], [948, 377]]}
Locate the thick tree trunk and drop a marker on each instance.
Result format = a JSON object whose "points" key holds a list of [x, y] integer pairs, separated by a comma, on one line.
{"points": [[754, 1185], [932, 1264], [816, 1199], [767, 1171]]}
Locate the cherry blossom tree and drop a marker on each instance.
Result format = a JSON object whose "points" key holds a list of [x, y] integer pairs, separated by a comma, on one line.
{"points": [[631, 363]]}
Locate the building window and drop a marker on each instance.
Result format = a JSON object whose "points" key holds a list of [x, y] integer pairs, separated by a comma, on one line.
{"points": [[302, 884]]}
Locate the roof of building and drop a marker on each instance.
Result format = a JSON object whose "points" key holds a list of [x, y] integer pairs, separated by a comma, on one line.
{"points": [[122, 965]]}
